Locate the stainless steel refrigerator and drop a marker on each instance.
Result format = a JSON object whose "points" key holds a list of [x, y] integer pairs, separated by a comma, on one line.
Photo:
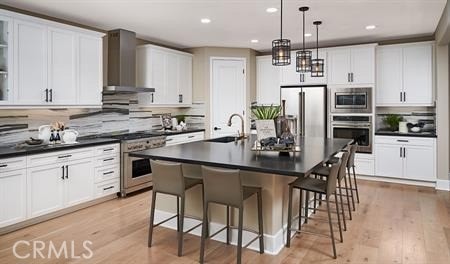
{"points": [[308, 104]]}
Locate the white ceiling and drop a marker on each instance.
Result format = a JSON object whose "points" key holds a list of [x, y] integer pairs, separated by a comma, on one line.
{"points": [[236, 22]]}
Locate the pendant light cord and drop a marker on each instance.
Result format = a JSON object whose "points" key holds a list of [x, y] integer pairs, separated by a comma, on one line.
{"points": [[303, 31], [317, 41], [281, 24]]}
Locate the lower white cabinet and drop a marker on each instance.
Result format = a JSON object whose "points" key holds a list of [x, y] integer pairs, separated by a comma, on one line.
{"points": [[184, 138], [79, 182], [12, 197], [406, 157]]}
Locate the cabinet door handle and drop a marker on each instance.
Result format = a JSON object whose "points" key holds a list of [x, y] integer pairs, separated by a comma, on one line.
{"points": [[404, 96], [401, 152], [108, 159], [51, 95], [46, 95], [107, 188], [180, 98], [404, 152], [153, 98], [348, 77], [62, 167], [401, 97], [67, 171], [217, 128], [3, 165]]}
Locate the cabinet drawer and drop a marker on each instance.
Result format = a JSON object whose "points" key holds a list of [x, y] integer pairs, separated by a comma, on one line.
{"points": [[364, 166], [108, 160], [13, 164], [60, 156], [107, 150], [107, 173], [416, 141], [184, 138], [106, 188]]}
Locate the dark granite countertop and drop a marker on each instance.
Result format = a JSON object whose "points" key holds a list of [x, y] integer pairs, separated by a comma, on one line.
{"points": [[410, 134], [12, 151], [238, 155]]}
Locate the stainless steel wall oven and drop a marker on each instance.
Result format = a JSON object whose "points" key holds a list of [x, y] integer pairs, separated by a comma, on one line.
{"points": [[358, 128]]}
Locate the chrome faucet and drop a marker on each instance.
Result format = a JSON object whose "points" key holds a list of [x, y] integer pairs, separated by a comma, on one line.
{"points": [[241, 134]]}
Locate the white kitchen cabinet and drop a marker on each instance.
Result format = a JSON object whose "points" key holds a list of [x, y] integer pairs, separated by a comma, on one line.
{"points": [[405, 75], [62, 63], [268, 80], [30, 60], [406, 157], [45, 189], [12, 196], [351, 66], [289, 75], [90, 70], [184, 138], [168, 71], [79, 183], [6, 60]]}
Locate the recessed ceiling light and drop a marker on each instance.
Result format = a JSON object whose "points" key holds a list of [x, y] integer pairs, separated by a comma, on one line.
{"points": [[271, 10], [371, 27], [205, 20], [254, 41], [308, 35]]}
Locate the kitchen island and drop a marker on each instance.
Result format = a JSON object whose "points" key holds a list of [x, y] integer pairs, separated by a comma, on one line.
{"points": [[268, 170]]}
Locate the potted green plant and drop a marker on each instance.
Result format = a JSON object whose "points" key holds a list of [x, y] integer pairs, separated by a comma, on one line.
{"points": [[392, 121]]}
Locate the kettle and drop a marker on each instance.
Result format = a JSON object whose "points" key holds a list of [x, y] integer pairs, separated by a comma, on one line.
{"points": [[45, 133], [69, 136]]}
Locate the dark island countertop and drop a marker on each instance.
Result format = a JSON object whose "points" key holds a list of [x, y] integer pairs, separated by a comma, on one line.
{"points": [[177, 132], [409, 134], [13, 151], [238, 155]]}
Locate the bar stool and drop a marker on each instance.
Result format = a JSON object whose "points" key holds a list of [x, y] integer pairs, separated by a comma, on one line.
{"points": [[351, 165], [168, 179], [325, 187], [224, 187], [342, 175]]}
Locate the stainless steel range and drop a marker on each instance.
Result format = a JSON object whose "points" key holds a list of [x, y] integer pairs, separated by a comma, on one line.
{"points": [[136, 173]]}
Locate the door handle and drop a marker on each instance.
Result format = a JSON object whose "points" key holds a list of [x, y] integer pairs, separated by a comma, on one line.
{"points": [[62, 167], [3, 165], [404, 96], [46, 95], [217, 128], [348, 77], [351, 75], [67, 171], [51, 95], [401, 152], [401, 97], [153, 98], [180, 98], [404, 152]]}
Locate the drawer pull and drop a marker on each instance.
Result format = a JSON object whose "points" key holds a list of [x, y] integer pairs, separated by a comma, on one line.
{"points": [[170, 139], [108, 149], [107, 188], [3, 165], [64, 156], [191, 136], [109, 172], [402, 140], [108, 159]]}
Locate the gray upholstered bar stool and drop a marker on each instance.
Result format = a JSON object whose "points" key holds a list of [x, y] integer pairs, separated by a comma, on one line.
{"points": [[168, 179], [224, 187], [325, 187]]}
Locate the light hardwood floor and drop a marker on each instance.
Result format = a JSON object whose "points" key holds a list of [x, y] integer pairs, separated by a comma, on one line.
{"points": [[393, 224]]}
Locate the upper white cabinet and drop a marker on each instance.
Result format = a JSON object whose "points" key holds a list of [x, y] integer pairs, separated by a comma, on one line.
{"points": [[166, 70], [405, 75], [268, 78], [54, 64], [351, 66], [289, 75]]}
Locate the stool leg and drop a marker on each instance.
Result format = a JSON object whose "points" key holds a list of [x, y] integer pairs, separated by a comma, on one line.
{"points": [[356, 184], [306, 207], [351, 188], [342, 205], [239, 244], [260, 223], [289, 220], [152, 218], [300, 210], [228, 226], [203, 238], [331, 227], [181, 224], [339, 218], [203, 199], [178, 214], [348, 198], [315, 198]]}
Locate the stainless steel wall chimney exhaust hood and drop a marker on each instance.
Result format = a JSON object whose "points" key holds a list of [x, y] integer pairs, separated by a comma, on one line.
{"points": [[122, 63]]}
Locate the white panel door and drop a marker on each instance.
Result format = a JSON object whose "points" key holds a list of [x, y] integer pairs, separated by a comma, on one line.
{"points": [[388, 162], [158, 76], [79, 182], [417, 74], [339, 63], [419, 163], [267, 81], [363, 65], [185, 79], [62, 67], [90, 70], [171, 69], [389, 76], [45, 189], [12, 197], [228, 93], [30, 60]]}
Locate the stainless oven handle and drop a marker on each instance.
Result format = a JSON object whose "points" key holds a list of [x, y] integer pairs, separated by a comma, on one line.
{"points": [[352, 126]]}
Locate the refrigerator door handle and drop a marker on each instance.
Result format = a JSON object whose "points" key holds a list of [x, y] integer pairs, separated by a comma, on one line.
{"points": [[302, 114]]}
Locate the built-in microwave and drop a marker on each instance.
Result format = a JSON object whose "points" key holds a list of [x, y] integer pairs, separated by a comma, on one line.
{"points": [[351, 100]]}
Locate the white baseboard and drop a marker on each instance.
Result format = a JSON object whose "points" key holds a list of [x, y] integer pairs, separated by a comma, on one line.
{"points": [[443, 185], [396, 180]]}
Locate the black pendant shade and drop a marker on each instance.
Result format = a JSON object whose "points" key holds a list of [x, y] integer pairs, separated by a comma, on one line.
{"points": [[318, 65], [281, 48], [303, 56]]}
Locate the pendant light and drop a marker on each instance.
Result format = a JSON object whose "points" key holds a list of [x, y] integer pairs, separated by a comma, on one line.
{"points": [[281, 48], [303, 56], [317, 64]]}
